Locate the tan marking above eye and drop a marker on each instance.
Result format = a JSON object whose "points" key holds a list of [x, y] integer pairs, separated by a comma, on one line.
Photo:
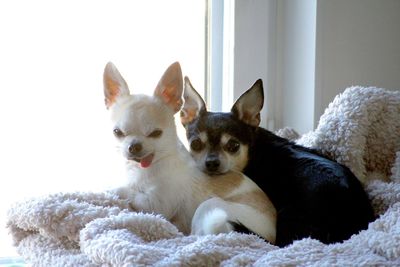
{"points": [[203, 137]]}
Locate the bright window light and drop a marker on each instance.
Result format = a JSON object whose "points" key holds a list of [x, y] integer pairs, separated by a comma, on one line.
{"points": [[56, 134]]}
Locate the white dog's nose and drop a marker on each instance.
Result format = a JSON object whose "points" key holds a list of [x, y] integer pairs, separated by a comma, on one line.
{"points": [[135, 148]]}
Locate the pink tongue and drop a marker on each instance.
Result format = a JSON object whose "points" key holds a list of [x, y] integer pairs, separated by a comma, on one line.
{"points": [[146, 161]]}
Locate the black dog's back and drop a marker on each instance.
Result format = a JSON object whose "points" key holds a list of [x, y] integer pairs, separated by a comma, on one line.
{"points": [[314, 196]]}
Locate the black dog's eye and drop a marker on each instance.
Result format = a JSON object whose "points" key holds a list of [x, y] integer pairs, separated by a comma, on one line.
{"points": [[156, 133], [232, 146], [118, 133], [196, 145]]}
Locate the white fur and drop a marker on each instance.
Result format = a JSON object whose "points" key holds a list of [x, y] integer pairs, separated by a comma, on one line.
{"points": [[214, 221]]}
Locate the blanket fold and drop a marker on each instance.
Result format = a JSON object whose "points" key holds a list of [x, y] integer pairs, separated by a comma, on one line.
{"points": [[361, 129]]}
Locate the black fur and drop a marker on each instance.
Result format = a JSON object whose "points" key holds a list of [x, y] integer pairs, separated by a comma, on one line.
{"points": [[240, 228], [314, 196]]}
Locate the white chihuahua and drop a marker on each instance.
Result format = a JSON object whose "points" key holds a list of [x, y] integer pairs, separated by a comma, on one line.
{"points": [[162, 176]]}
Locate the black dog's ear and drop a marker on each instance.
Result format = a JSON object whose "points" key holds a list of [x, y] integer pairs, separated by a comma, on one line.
{"points": [[247, 108], [193, 105]]}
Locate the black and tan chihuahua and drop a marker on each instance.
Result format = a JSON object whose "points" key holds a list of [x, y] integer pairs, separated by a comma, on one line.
{"points": [[313, 195]]}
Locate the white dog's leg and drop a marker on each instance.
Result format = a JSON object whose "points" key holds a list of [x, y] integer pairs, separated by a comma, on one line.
{"points": [[211, 217], [215, 216]]}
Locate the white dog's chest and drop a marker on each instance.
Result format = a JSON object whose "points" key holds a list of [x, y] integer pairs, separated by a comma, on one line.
{"points": [[161, 199], [143, 201]]}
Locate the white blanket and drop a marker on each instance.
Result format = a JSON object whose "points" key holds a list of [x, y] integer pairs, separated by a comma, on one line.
{"points": [[361, 129]]}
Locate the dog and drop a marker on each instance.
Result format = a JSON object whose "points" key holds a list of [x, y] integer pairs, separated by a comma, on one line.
{"points": [[162, 176], [313, 195]]}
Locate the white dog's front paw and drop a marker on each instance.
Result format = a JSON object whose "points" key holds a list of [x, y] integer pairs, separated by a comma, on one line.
{"points": [[125, 194]]}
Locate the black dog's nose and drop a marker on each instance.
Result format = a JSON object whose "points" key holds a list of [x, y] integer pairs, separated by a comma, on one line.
{"points": [[135, 148], [212, 163]]}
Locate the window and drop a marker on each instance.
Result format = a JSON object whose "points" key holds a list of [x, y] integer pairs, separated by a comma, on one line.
{"points": [[55, 128], [220, 55]]}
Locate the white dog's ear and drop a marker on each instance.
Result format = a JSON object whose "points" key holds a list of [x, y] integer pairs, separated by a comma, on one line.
{"points": [[193, 105], [114, 85], [169, 88], [247, 108]]}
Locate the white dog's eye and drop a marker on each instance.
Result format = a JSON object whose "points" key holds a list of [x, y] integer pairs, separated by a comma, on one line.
{"points": [[118, 133], [232, 146], [156, 133]]}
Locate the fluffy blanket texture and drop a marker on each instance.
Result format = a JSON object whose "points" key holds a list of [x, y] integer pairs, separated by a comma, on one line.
{"points": [[360, 128]]}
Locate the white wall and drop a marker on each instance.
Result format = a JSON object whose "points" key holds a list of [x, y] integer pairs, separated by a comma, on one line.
{"points": [[296, 64], [254, 51], [326, 46], [308, 51], [358, 43], [275, 40]]}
